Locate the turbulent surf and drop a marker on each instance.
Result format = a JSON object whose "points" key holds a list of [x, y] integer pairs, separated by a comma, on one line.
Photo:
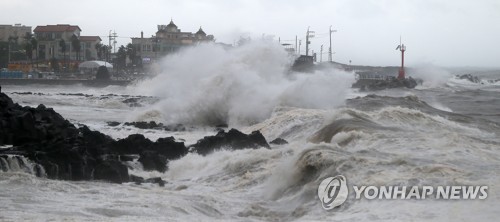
{"points": [[445, 132]]}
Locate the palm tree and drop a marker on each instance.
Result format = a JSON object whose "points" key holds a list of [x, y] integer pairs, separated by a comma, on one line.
{"points": [[28, 47], [98, 48], [132, 53], [75, 43], [34, 45], [62, 45]]}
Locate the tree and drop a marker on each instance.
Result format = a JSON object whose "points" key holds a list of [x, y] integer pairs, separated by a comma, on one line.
{"points": [[34, 45], [132, 53], [28, 47], [101, 51], [15, 51], [75, 43], [62, 45], [121, 57]]}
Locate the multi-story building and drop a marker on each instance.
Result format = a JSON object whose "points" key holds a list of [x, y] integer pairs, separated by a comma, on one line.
{"points": [[168, 39], [15, 32], [88, 47], [49, 38], [49, 46]]}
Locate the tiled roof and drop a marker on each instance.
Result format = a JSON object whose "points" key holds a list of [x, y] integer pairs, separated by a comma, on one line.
{"points": [[90, 38], [57, 28]]}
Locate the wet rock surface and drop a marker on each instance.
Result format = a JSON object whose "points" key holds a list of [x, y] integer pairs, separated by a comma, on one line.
{"points": [[233, 139], [70, 152], [279, 141]]}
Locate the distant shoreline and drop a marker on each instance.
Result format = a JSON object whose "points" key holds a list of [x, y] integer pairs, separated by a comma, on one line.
{"points": [[97, 83]]}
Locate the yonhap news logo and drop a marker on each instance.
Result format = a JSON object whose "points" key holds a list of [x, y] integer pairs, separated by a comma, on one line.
{"points": [[333, 192]]}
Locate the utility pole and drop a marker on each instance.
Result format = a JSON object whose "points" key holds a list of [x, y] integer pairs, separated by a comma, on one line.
{"points": [[109, 46], [321, 54], [309, 34], [114, 41], [296, 49], [111, 36], [300, 43], [330, 57]]}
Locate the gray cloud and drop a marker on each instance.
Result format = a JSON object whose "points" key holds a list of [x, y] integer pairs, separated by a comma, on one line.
{"points": [[447, 33]]}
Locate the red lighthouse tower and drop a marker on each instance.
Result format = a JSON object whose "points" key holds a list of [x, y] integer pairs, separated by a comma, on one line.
{"points": [[402, 48]]}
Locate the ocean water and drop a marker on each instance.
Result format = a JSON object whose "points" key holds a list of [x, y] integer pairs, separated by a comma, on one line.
{"points": [[445, 132]]}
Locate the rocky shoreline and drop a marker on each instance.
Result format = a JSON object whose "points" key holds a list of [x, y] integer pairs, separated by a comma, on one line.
{"points": [[61, 150]]}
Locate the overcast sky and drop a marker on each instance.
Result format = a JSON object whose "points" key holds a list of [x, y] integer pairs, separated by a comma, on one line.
{"points": [[439, 32]]}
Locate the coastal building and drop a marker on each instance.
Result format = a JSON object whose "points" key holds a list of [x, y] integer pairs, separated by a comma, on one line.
{"points": [[168, 39], [49, 38], [88, 47], [49, 46], [15, 33]]}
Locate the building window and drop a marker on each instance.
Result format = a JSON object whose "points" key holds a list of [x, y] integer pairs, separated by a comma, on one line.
{"points": [[146, 48]]}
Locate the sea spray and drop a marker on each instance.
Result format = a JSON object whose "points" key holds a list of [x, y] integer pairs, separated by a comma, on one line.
{"points": [[431, 75], [210, 85]]}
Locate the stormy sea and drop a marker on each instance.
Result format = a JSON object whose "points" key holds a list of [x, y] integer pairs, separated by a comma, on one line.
{"points": [[441, 133]]}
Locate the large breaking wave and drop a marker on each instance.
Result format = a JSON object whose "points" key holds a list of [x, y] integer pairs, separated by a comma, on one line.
{"points": [[209, 85]]}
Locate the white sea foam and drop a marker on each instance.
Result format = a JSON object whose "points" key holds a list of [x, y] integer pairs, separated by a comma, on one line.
{"points": [[238, 86], [277, 184]]}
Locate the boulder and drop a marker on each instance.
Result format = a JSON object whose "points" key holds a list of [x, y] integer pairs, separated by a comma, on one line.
{"points": [[470, 78], [133, 144], [145, 125], [151, 160], [279, 141], [157, 180], [136, 179], [113, 123], [169, 148], [112, 171], [233, 139]]}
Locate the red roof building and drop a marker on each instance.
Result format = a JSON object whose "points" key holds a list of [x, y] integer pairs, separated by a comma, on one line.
{"points": [[57, 28], [51, 36]]}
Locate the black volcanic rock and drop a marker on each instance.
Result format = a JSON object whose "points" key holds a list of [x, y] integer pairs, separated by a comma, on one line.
{"points": [[169, 148], [132, 102], [21, 125], [145, 125], [113, 171], [113, 123], [155, 126], [153, 155], [151, 160], [279, 141], [233, 139], [470, 78], [133, 144], [77, 153], [70, 153], [136, 179], [157, 180]]}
